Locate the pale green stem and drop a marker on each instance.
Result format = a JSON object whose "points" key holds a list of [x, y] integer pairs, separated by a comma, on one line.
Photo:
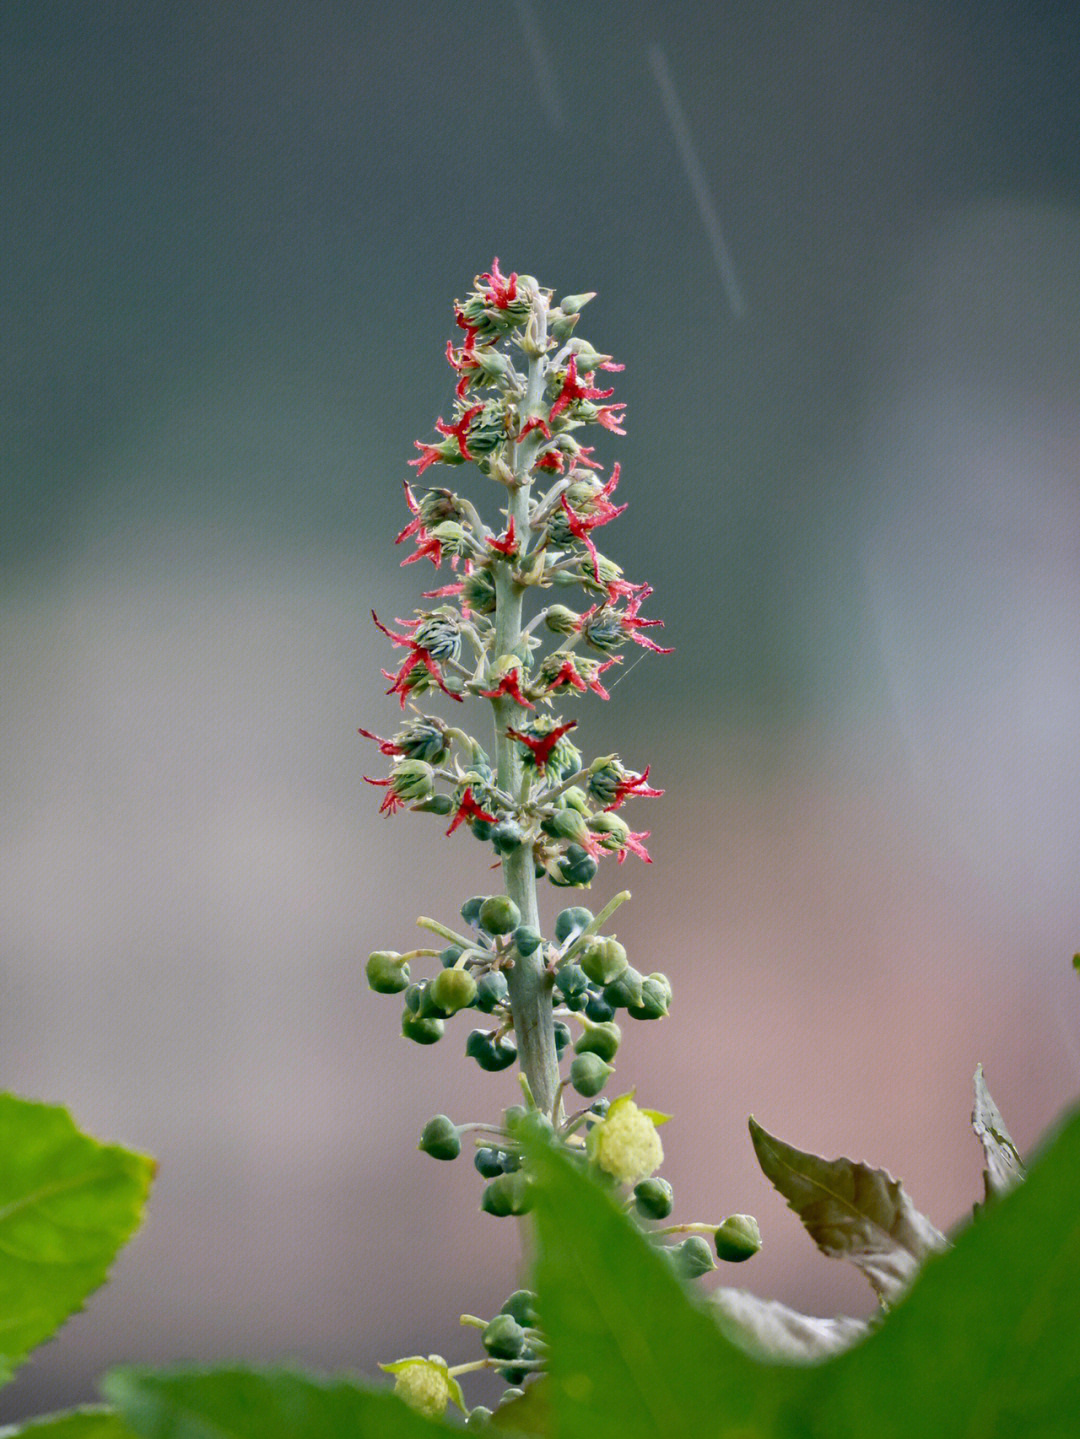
{"points": [[530, 984]]}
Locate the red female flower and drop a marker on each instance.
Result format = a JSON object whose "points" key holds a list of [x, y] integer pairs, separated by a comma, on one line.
{"points": [[417, 656], [536, 423], [606, 416], [501, 291], [510, 684], [633, 784], [574, 389], [633, 842], [436, 454], [570, 674], [387, 746], [468, 809], [392, 801], [543, 745], [507, 543], [599, 511]]}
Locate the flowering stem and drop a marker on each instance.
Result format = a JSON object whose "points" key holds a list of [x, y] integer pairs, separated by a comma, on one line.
{"points": [[530, 984]]}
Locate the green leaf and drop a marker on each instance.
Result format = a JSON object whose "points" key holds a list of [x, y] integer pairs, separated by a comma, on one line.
{"points": [[983, 1346], [851, 1212], [67, 1205], [259, 1404], [630, 1354], [1004, 1168], [90, 1423], [987, 1342]]}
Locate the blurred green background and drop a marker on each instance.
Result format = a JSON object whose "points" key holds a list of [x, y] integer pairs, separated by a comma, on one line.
{"points": [[838, 248]]}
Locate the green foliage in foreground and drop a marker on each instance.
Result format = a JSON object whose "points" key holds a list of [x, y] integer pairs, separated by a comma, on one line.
{"points": [[986, 1343], [67, 1205]]}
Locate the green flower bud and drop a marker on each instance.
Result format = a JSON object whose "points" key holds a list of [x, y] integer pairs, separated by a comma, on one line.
{"points": [[449, 956], [481, 828], [692, 1258], [513, 1114], [574, 304], [429, 1007], [577, 867], [603, 960], [453, 989], [566, 824], [488, 1054], [521, 1305], [738, 1238], [560, 326], [655, 998], [440, 804], [503, 1338], [413, 995], [479, 1417], [454, 538], [421, 1031], [561, 620], [509, 1194], [653, 1198], [479, 591], [597, 1008], [571, 981], [491, 990], [527, 940], [487, 1162], [507, 836], [387, 972], [562, 1036], [470, 910], [626, 990], [518, 1373], [589, 1073], [601, 1039], [440, 1138], [572, 921], [499, 914]]}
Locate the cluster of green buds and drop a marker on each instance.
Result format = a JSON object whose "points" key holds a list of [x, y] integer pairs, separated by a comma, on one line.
{"points": [[526, 389]]}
